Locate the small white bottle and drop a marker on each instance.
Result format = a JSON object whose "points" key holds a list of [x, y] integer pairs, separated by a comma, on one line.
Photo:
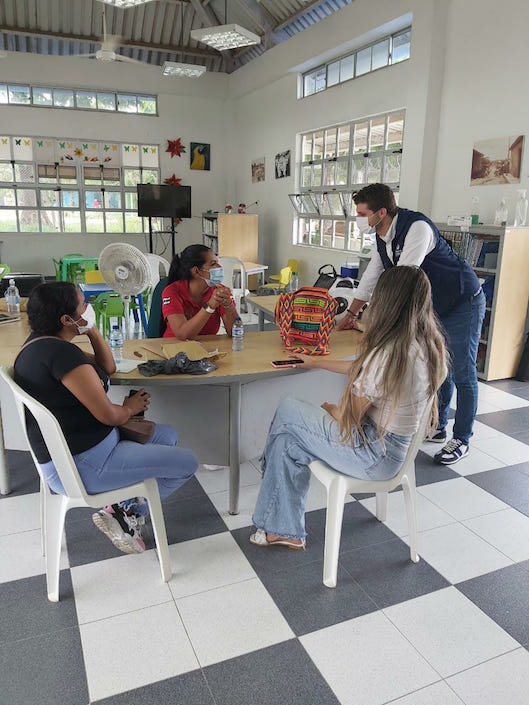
{"points": [[294, 282], [237, 335], [474, 215], [520, 212], [12, 299], [116, 343], [501, 214]]}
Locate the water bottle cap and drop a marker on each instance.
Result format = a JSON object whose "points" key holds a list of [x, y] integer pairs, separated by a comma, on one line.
{"points": [[115, 327], [11, 282]]}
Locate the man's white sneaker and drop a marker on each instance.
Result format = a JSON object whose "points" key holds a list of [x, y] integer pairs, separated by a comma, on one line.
{"points": [[453, 451]]}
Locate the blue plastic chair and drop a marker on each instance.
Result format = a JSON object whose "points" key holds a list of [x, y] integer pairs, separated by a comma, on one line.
{"points": [[155, 316]]}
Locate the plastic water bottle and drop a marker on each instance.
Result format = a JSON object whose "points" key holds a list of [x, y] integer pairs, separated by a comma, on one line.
{"points": [[237, 335], [294, 281], [12, 299], [116, 343]]}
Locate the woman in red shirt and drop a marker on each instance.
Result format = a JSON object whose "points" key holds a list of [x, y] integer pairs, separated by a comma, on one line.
{"points": [[195, 301]]}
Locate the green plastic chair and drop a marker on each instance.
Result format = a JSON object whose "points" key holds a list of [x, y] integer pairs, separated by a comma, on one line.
{"points": [[106, 306], [4, 269]]}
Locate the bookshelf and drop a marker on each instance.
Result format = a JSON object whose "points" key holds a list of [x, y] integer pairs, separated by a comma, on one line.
{"points": [[233, 235], [500, 258]]}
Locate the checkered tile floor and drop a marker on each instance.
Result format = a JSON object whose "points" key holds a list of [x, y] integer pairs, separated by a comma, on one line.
{"points": [[239, 624]]}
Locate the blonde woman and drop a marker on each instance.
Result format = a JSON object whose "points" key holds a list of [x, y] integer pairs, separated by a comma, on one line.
{"points": [[401, 363]]}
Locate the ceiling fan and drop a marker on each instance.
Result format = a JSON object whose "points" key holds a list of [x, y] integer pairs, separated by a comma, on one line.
{"points": [[109, 44]]}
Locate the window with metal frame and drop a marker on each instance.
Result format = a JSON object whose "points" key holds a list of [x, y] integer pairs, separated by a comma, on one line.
{"points": [[333, 164], [384, 52]]}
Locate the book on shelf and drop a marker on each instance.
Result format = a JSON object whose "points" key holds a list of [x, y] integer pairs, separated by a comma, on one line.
{"points": [[479, 251]]}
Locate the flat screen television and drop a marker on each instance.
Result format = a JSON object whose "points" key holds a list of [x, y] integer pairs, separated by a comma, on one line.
{"points": [[164, 201]]}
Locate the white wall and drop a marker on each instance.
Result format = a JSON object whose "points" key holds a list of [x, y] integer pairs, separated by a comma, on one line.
{"points": [[192, 110]]}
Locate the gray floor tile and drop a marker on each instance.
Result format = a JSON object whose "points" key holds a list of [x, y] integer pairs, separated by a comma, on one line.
{"points": [[48, 670], [315, 606], [359, 528], [509, 385], [387, 574], [279, 674], [86, 543], [187, 689], [504, 597], [191, 518], [510, 421], [25, 610], [523, 437], [510, 484], [23, 475]]}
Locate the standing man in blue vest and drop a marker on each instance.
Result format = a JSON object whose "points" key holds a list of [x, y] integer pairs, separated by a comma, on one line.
{"points": [[409, 238]]}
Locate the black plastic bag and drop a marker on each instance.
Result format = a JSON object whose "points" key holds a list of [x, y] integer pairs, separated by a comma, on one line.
{"points": [[326, 279], [180, 363]]}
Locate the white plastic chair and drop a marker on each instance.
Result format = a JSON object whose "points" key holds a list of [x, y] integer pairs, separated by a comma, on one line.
{"points": [[155, 262], [53, 507], [338, 486], [230, 266]]}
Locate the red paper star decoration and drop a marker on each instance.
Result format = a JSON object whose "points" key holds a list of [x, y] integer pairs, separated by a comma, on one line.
{"points": [[175, 147], [173, 180]]}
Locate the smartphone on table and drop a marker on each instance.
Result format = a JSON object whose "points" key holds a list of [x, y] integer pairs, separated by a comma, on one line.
{"points": [[131, 394], [291, 362]]}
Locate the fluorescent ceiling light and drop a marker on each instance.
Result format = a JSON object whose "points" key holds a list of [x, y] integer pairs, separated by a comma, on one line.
{"points": [[125, 3], [225, 36], [175, 68]]}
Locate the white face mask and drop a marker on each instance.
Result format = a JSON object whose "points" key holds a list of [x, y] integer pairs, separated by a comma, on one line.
{"points": [[89, 316], [362, 223]]}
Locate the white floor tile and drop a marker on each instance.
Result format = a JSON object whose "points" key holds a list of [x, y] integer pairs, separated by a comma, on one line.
{"points": [[429, 516], [21, 556], [510, 451], [219, 480], [232, 620], [487, 407], [366, 661], [135, 649], [107, 588], [502, 681], [458, 554], [439, 625], [19, 514], [479, 431], [461, 498], [207, 563], [475, 461], [503, 400], [508, 531], [247, 500], [436, 694]]}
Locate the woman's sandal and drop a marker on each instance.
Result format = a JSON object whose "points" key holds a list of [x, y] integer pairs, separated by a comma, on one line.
{"points": [[260, 539]]}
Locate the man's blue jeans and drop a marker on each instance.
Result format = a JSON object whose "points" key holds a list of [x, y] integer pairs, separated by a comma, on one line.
{"points": [[463, 331]]}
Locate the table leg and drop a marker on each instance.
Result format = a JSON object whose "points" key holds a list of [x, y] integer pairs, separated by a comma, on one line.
{"points": [[4, 472], [235, 431], [261, 321]]}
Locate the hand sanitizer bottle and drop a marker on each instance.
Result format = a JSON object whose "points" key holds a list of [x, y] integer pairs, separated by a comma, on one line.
{"points": [[501, 214], [520, 213]]}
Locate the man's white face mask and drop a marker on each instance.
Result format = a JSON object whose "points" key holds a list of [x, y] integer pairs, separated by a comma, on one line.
{"points": [[362, 223]]}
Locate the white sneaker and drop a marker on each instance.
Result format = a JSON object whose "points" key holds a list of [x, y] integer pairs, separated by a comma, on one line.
{"points": [[453, 451]]}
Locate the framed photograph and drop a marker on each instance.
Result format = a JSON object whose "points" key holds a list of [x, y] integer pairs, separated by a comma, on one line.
{"points": [[200, 156], [497, 161], [282, 164], [258, 170]]}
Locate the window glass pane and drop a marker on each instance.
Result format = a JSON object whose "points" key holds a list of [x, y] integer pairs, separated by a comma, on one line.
{"points": [[7, 197], [24, 173], [93, 199], [341, 173], [63, 98], [86, 100], [3, 93], [316, 175], [306, 148], [147, 105], [70, 199], [392, 168], [50, 221], [395, 130], [321, 79], [358, 171], [380, 55], [94, 222], [330, 174], [315, 232], [49, 198], [113, 200], [28, 221], [67, 174], [42, 96], [6, 172], [363, 61], [335, 204], [19, 95], [303, 231], [149, 176], [339, 234], [377, 134], [133, 224], [374, 170], [92, 175], [27, 197], [306, 176], [333, 74], [401, 47], [8, 220], [127, 103], [131, 177], [131, 200], [360, 138], [47, 173], [347, 68], [330, 143], [318, 145], [106, 101], [71, 221], [309, 84], [354, 237], [343, 140], [324, 207], [327, 233], [111, 176], [114, 222]]}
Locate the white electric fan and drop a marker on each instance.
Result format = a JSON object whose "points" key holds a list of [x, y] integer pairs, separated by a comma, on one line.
{"points": [[125, 269]]}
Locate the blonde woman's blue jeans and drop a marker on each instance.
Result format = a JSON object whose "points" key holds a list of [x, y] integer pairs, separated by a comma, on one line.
{"points": [[300, 433]]}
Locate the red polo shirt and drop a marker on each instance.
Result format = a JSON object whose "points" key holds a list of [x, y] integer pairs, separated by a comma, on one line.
{"points": [[177, 299]]}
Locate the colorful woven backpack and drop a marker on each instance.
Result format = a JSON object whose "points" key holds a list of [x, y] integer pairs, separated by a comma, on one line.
{"points": [[306, 319]]}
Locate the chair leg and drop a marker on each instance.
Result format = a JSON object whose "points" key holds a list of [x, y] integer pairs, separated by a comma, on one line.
{"points": [[333, 531], [42, 511], [54, 523], [382, 506], [158, 525], [408, 488]]}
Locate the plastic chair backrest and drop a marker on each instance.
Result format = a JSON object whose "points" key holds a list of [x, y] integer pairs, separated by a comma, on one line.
{"points": [[284, 276], [230, 265], [155, 315], [110, 304], [52, 435], [93, 276], [293, 264], [155, 262], [4, 269]]}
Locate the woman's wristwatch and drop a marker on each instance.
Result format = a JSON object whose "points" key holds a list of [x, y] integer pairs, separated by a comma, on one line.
{"points": [[207, 308]]}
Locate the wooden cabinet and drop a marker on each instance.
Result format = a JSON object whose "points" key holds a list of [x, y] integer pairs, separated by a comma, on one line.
{"points": [[233, 235], [505, 279]]}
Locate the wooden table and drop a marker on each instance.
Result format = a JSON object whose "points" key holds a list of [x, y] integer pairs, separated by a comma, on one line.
{"points": [[266, 308], [233, 371]]}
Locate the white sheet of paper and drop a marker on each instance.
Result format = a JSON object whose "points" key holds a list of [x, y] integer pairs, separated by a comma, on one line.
{"points": [[125, 366]]}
